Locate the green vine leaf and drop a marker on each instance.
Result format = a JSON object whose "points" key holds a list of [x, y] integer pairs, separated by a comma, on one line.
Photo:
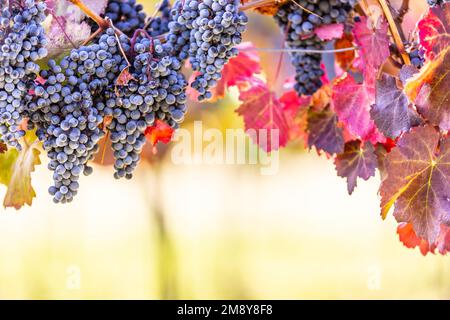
{"points": [[15, 172]]}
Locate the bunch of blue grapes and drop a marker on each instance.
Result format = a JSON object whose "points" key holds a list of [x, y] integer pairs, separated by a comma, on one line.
{"points": [[68, 113], [178, 37], [305, 15], [216, 27], [433, 3], [159, 25], [126, 15], [417, 57], [22, 44], [157, 90], [297, 25], [129, 17]]}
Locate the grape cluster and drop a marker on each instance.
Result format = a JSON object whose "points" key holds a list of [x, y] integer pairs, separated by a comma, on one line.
{"points": [[120, 83], [81, 92], [126, 15], [23, 43], [298, 24], [156, 91], [160, 24], [178, 37], [204, 31], [68, 112], [216, 27], [417, 58], [433, 3]]}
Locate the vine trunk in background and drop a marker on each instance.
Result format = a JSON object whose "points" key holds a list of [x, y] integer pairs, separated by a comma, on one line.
{"points": [[75, 75]]}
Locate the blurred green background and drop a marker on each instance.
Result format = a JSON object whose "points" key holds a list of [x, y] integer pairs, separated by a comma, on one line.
{"points": [[214, 232]]}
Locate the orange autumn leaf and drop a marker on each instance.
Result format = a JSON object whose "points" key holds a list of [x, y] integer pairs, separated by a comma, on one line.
{"points": [[124, 77], [345, 59], [159, 132], [322, 98], [429, 90], [410, 240], [295, 110]]}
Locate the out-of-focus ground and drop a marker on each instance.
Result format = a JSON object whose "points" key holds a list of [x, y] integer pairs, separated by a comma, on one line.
{"points": [[232, 233], [213, 231]]}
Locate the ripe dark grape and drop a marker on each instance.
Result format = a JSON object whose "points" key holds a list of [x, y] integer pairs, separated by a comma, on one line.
{"points": [[297, 25], [22, 43], [417, 58], [216, 27]]}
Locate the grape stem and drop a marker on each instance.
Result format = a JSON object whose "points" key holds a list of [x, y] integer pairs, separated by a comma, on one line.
{"points": [[395, 32], [106, 23], [304, 9], [118, 42], [92, 37], [402, 11], [150, 19], [102, 23]]}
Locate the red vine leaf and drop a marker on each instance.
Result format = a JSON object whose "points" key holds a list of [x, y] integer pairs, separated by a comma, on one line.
{"points": [[355, 162], [374, 47], [324, 132], [330, 31], [295, 109], [443, 242], [391, 111], [159, 132], [418, 182], [373, 43], [352, 102], [429, 89], [434, 30], [410, 240], [237, 71], [263, 114], [15, 172]]}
